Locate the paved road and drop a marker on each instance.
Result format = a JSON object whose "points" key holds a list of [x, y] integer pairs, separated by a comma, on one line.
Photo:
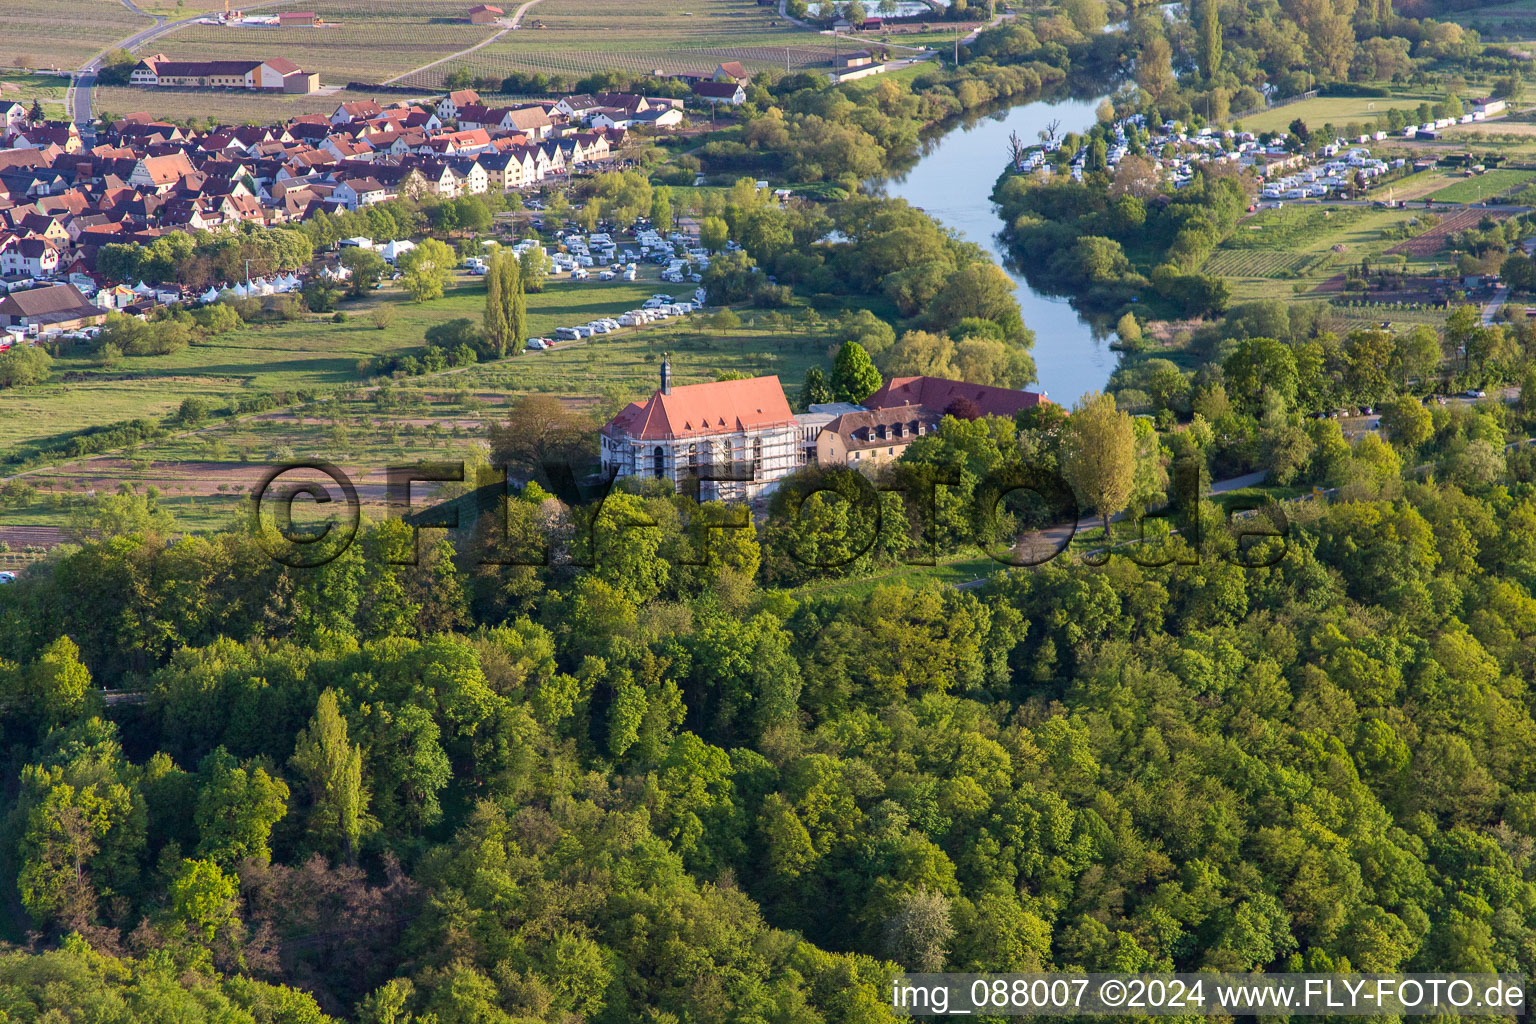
{"points": [[77, 101], [1500, 296]]}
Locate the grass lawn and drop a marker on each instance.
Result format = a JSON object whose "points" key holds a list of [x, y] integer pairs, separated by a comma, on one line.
{"points": [[1483, 186], [1335, 110], [309, 353], [62, 34], [624, 366], [48, 90]]}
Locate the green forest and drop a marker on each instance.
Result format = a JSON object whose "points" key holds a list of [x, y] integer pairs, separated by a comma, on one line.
{"points": [[660, 788]]}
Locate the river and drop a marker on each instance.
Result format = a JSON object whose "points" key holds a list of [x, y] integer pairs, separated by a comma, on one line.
{"points": [[952, 181]]}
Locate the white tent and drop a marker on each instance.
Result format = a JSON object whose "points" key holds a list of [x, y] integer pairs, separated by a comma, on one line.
{"points": [[394, 250], [237, 290], [143, 289], [211, 295], [360, 241], [286, 283], [260, 286]]}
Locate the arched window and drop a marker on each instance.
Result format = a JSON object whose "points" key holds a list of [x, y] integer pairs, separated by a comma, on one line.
{"points": [[658, 462]]}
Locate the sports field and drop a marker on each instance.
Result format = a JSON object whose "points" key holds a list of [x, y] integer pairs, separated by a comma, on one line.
{"points": [[62, 34]]}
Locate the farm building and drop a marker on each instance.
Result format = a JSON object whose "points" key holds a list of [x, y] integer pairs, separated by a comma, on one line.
{"points": [[290, 19], [59, 306], [485, 14], [276, 74], [732, 71], [720, 92], [856, 59]]}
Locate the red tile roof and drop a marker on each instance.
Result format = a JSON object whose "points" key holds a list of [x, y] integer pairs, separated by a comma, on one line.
{"points": [[939, 394], [727, 406]]}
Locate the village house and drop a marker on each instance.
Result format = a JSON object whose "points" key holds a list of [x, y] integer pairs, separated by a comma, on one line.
{"points": [[357, 110], [485, 14], [160, 173], [354, 193], [29, 257], [448, 106], [720, 92]]}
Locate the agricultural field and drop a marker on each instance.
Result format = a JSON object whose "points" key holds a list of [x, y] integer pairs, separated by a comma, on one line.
{"points": [[225, 106], [1336, 110], [1292, 252], [363, 40], [1483, 186], [1515, 19], [1257, 263], [306, 353], [204, 475], [1291, 227], [577, 37], [62, 34]]}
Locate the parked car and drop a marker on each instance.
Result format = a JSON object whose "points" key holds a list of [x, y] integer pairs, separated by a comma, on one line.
{"points": [[537, 344]]}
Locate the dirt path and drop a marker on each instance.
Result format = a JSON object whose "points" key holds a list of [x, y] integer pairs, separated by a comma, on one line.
{"points": [[487, 41]]}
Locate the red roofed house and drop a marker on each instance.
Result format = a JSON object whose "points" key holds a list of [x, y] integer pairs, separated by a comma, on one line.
{"points": [[720, 92], [905, 409], [953, 397], [485, 14], [732, 71], [737, 427]]}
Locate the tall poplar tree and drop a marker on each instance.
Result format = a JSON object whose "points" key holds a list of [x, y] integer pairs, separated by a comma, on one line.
{"points": [[1210, 39], [497, 330], [514, 301], [333, 767]]}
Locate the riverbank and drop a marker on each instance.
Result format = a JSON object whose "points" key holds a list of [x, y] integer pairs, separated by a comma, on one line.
{"points": [[1072, 357]]}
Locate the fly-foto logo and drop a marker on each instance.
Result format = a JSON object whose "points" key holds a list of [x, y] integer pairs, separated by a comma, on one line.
{"points": [[1017, 516]]}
